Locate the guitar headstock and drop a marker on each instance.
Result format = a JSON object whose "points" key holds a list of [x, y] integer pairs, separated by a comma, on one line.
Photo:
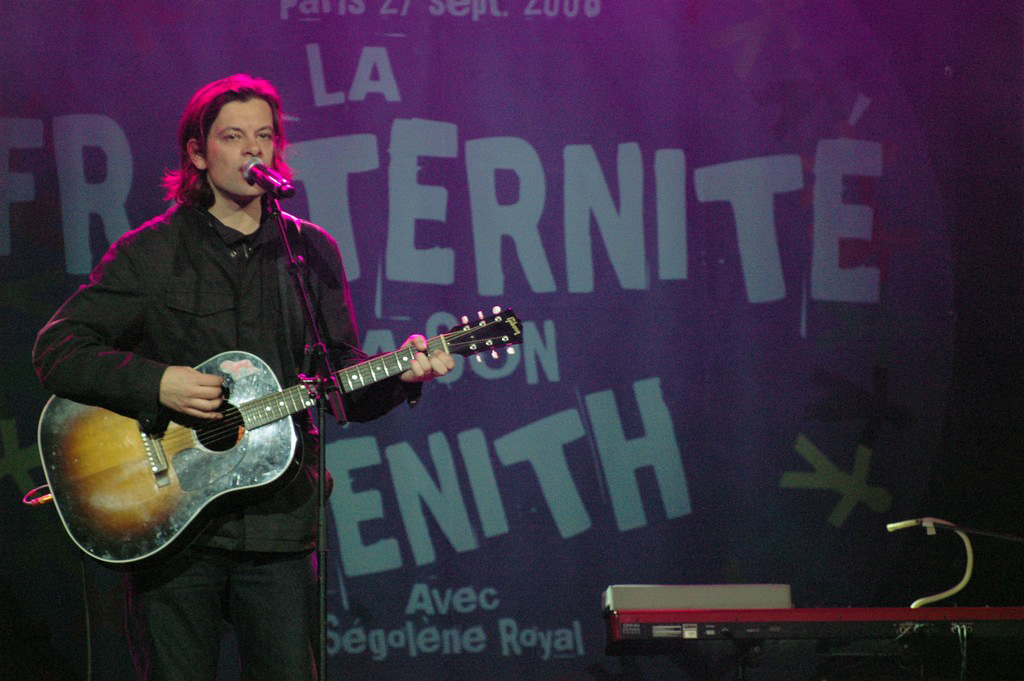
{"points": [[501, 329]]}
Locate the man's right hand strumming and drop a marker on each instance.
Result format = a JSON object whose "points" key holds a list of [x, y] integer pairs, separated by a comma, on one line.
{"points": [[191, 392]]}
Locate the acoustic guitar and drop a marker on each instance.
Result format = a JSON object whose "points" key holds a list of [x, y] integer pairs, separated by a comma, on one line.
{"points": [[124, 495]]}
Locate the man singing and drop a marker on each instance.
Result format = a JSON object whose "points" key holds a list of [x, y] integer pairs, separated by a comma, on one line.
{"points": [[209, 276]]}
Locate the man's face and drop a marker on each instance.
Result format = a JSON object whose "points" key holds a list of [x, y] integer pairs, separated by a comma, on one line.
{"points": [[241, 131]]}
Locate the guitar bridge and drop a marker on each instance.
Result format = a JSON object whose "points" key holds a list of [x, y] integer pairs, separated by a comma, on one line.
{"points": [[157, 460]]}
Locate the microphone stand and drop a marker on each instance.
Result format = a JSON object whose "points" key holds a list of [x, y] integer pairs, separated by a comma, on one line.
{"points": [[325, 387]]}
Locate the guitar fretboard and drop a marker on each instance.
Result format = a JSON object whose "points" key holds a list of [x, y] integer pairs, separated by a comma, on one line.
{"points": [[270, 408], [381, 367]]}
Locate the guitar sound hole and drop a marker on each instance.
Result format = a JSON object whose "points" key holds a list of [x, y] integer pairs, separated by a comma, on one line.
{"points": [[222, 434]]}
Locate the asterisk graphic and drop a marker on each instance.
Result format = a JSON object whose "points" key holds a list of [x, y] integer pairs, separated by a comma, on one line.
{"points": [[852, 487]]}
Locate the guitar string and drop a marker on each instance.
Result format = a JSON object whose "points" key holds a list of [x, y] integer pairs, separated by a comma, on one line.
{"points": [[235, 419]]}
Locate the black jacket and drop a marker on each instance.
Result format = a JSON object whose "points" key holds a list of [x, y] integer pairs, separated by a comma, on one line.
{"points": [[182, 288]]}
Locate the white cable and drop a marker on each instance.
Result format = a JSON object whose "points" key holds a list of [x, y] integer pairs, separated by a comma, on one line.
{"points": [[929, 525], [903, 524]]}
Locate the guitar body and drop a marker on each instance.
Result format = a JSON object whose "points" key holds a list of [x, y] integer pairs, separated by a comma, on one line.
{"points": [[124, 495]]}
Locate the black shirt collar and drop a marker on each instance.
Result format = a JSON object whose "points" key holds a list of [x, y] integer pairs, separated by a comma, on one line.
{"points": [[232, 237]]}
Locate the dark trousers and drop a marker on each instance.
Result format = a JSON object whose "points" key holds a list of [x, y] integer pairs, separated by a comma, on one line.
{"points": [[175, 614]]}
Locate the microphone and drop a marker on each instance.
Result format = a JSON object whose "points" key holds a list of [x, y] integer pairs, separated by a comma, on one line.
{"points": [[256, 172]]}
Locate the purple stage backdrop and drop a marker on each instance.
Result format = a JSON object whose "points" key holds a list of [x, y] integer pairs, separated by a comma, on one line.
{"points": [[716, 219]]}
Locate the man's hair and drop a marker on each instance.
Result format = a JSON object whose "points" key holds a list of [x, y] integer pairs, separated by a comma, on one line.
{"points": [[188, 185]]}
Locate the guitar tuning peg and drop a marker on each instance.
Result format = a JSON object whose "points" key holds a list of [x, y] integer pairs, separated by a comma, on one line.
{"points": [[494, 354], [465, 319], [496, 309], [511, 350], [479, 358], [479, 314]]}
